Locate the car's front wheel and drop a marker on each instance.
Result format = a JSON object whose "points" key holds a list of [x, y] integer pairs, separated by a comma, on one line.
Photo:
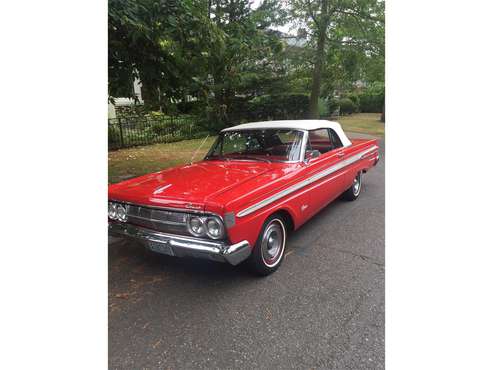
{"points": [[353, 192], [268, 252]]}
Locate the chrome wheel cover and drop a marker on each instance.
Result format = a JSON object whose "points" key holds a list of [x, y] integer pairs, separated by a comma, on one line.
{"points": [[357, 185], [273, 242]]}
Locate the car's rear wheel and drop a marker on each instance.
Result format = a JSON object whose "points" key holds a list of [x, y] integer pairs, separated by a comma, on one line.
{"points": [[268, 252], [354, 191]]}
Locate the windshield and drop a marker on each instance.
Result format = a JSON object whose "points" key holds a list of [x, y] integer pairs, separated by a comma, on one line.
{"points": [[263, 145]]}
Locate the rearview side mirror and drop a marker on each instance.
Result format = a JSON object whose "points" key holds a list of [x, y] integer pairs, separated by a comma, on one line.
{"points": [[311, 154]]}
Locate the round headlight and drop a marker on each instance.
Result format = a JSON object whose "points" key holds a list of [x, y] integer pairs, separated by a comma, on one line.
{"points": [[196, 226], [121, 213], [215, 228], [112, 211]]}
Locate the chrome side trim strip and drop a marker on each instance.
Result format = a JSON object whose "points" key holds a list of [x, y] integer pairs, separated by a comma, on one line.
{"points": [[303, 183]]}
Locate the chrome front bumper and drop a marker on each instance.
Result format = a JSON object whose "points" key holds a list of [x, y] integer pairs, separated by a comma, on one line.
{"points": [[183, 246]]}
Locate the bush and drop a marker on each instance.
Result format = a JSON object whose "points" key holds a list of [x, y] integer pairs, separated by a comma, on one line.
{"points": [[190, 107], [113, 136], [371, 102], [373, 98], [355, 99], [323, 107], [346, 106], [287, 106], [160, 128]]}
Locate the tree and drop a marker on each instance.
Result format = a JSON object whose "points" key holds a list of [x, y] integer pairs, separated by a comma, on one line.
{"points": [[250, 61], [337, 25], [164, 43]]}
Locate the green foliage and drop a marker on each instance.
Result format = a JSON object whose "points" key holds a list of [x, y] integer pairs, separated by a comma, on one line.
{"points": [[355, 99], [372, 99], [346, 106], [229, 57], [323, 108], [113, 136], [354, 45], [371, 103], [166, 44], [287, 106], [190, 107]]}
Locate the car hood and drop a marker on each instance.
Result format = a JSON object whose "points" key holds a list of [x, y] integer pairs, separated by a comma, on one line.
{"points": [[188, 186]]}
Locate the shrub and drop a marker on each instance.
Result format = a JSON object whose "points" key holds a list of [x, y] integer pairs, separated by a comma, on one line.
{"points": [[373, 98], [190, 107], [287, 106], [323, 107], [371, 103], [355, 99], [346, 106], [160, 128], [113, 136]]}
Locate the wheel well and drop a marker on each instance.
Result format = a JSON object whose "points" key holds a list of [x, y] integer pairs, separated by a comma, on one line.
{"points": [[286, 216]]}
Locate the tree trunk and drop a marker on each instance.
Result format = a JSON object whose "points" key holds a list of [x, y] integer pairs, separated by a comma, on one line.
{"points": [[319, 62]]}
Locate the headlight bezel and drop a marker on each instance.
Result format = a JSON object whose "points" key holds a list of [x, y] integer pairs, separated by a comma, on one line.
{"points": [[117, 211], [204, 222], [200, 220], [112, 211], [220, 225], [121, 213]]}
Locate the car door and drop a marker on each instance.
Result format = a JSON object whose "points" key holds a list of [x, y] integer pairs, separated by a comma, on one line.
{"points": [[328, 182]]}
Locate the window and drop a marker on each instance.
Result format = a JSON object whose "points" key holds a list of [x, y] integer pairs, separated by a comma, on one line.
{"points": [[336, 141], [266, 144], [324, 140]]}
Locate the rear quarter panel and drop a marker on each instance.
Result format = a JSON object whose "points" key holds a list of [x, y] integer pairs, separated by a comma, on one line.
{"points": [[364, 164]]}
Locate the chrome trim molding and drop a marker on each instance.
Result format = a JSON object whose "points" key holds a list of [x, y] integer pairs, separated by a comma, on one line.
{"points": [[183, 246], [163, 208], [306, 182]]}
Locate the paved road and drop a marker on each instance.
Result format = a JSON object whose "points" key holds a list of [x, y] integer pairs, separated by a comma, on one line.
{"points": [[324, 308]]}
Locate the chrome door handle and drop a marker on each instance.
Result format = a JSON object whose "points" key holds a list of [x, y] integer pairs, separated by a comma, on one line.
{"points": [[340, 154]]}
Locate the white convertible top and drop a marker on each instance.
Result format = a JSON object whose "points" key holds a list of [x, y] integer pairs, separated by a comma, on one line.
{"points": [[302, 124]]}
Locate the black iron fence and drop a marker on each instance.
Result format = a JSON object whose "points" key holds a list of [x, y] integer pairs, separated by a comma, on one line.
{"points": [[143, 130], [128, 131]]}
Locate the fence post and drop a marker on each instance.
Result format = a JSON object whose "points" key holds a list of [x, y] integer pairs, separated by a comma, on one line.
{"points": [[121, 132]]}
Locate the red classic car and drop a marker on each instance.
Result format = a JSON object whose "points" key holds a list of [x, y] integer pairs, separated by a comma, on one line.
{"points": [[258, 182]]}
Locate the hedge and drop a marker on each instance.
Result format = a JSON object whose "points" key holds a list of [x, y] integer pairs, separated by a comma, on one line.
{"points": [[368, 101], [371, 103], [285, 106], [345, 105]]}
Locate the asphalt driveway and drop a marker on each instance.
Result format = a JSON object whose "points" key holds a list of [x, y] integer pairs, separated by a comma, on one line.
{"points": [[324, 308]]}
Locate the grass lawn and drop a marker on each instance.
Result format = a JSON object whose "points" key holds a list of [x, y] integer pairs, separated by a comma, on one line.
{"points": [[365, 123], [127, 163]]}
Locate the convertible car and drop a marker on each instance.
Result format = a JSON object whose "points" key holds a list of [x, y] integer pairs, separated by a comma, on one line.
{"points": [[258, 182]]}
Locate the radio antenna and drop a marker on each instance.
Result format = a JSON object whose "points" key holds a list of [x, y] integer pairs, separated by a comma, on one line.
{"points": [[203, 141]]}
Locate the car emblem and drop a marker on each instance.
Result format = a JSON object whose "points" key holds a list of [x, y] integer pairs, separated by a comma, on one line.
{"points": [[192, 206]]}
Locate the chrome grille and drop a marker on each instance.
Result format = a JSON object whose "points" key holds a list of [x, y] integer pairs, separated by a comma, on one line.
{"points": [[158, 219]]}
